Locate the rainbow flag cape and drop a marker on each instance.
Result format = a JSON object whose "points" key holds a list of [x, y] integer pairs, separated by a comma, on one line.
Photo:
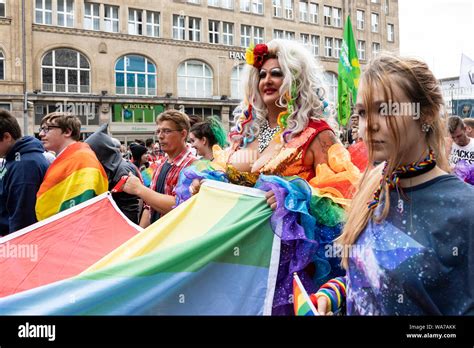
{"points": [[301, 301], [63, 245], [189, 262], [75, 176]]}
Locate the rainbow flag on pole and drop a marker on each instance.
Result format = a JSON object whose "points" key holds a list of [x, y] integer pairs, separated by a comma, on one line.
{"points": [[189, 262], [301, 301]]}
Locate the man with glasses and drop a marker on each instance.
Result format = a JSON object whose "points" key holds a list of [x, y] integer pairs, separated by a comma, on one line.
{"points": [[76, 174], [172, 132], [21, 174]]}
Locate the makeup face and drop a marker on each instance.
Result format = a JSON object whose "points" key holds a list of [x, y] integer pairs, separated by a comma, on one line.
{"points": [[271, 79]]}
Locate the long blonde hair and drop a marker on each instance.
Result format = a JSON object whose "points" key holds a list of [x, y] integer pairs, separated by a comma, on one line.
{"points": [[418, 83]]}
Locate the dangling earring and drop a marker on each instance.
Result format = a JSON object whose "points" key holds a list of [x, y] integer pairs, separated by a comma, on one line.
{"points": [[426, 128]]}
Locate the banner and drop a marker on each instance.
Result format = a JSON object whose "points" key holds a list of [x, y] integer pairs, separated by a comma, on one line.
{"points": [[63, 245], [466, 76], [189, 262]]}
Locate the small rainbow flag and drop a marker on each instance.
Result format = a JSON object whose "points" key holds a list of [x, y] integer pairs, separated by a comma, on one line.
{"points": [[301, 301]]}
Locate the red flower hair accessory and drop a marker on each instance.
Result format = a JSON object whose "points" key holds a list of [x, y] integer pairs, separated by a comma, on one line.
{"points": [[256, 56]]}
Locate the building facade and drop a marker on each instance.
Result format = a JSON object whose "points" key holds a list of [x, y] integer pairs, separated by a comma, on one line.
{"points": [[124, 62]]}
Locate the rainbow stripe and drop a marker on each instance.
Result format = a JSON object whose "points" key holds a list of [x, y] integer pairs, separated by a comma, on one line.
{"points": [[74, 177]]}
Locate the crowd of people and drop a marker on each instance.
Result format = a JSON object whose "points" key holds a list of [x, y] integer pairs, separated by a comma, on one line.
{"points": [[408, 213]]}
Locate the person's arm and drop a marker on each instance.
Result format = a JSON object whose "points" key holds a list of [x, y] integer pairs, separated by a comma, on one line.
{"points": [[158, 201], [319, 147]]}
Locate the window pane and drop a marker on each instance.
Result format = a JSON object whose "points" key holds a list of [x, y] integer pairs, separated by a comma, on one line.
{"points": [[66, 58], [136, 63], [151, 81], [83, 62], [72, 77], [48, 59], [84, 78], [119, 65], [151, 67], [119, 79]]}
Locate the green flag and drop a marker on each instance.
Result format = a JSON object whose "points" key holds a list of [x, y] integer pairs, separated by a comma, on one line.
{"points": [[349, 72]]}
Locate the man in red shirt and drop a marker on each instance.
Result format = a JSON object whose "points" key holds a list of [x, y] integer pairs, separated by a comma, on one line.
{"points": [[172, 131]]}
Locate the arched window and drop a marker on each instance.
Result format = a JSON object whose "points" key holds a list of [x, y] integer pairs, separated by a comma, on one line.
{"points": [[331, 81], [236, 90], [194, 80], [2, 66], [135, 75], [65, 71]]}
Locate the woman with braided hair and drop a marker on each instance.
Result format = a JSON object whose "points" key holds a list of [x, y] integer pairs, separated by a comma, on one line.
{"points": [[408, 242]]}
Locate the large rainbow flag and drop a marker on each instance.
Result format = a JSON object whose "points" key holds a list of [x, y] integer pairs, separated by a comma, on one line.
{"points": [[189, 262], [63, 245], [74, 177]]}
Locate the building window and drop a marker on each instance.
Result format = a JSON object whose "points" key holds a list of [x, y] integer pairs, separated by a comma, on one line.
{"points": [[194, 80], [228, 33], [289, 35], [386, 7], [245, 35], [374, 1], [135, 22], [65, 71], [360, 19], [2, 66], [390, 33], [194, 29], [375, 49], [288, 9], [2, 8], [65, 13], [361, 49], [203, 112], [214, 31], [313, 13], [254, 6], [328, 47], [91, 16], [327, 15], [43, 12], [278, 34], [5, 106], [277, 8], [257, 35], [236, 90], [375, 23], [111, 18], [303, 11], [135, 75], [331, 80], [215, 3], [179, 30], [336, 16], [153, 23], [304, 39], [229, 4], [315, 45], [337, 47]]}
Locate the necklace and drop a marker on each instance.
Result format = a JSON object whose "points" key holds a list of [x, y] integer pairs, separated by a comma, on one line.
{"points": [[405, 171], [265, 135]]}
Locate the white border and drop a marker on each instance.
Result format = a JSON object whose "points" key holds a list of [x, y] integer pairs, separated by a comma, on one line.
{"points": [[272, 275], [249, 191], [305, 294], [105, 195]]}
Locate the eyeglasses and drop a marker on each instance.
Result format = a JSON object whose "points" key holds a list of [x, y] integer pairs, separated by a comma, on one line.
{"points": [[46, 129], [166, 131]]}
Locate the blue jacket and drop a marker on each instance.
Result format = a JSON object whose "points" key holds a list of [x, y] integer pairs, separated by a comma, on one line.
{"points": [[21, 174]]}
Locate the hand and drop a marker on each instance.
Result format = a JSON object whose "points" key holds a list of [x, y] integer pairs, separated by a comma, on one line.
{"points": [[271, 199], [133, 185], [195, 186], [321, 304]]}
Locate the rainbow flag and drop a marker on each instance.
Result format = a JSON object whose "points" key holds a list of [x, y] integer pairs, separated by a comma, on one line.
{"points": [[63, 245], [189, 262], [74, 177], [301, 301]]}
